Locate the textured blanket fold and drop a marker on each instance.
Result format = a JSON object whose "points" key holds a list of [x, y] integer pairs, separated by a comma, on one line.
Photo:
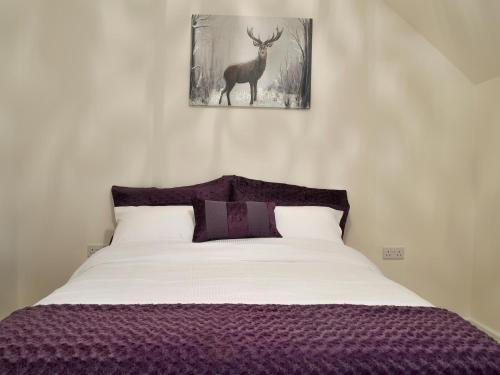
{"points": [[243, 339]]}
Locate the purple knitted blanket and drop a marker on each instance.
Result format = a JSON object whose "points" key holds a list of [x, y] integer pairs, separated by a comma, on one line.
{"points": [[237, 339]]}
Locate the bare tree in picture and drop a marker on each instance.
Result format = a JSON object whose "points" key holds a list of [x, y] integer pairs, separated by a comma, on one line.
{"points": [[250, 71], [289, 80], [196, 23], [304, 42]]}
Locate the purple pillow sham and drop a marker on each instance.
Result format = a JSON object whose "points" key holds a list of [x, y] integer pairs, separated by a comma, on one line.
{"points": [[218, 189], [215, 220], [246, 189]]}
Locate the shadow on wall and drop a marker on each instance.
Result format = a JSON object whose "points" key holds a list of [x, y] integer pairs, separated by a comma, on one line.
{"points": [[265, 143], [55, 50], [85, 81], [486, 278], [425, 165]]}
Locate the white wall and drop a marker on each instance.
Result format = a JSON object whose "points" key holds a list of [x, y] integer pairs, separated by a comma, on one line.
{"points": [[98, 96], [8, 259], [8, 180], [486, 280]]}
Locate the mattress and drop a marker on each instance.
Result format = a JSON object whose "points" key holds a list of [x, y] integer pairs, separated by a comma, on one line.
{"points": [[251, 271]]}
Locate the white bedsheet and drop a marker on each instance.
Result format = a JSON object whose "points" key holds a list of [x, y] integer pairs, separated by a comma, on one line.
{"points": [[259, 271]]}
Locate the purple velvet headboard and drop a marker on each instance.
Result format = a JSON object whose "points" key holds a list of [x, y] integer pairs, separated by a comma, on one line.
{"points": [[246, 189], [218, 189], [234, 188]]}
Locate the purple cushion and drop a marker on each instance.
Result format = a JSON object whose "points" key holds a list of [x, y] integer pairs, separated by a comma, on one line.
{"points": [[219, 189], [216, 220], [246, 189]]}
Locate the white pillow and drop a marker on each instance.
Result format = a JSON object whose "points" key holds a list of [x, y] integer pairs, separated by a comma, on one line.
{"points": [[309, 222], [153, 223]]}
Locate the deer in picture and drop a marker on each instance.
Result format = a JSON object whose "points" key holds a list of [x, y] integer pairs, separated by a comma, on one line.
{"points": [[250, 71]]}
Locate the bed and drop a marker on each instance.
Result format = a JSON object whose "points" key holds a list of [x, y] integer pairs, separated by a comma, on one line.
{"points": [[253, 305]]}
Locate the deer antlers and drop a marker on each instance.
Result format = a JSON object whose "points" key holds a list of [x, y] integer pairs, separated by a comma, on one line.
{"points": [[274, 38], [256, 41], [268, 42]]}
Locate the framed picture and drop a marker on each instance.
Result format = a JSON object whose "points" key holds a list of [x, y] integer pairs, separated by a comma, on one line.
{"points": [[250, 61]]}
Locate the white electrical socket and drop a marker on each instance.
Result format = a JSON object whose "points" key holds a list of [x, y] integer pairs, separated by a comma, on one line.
{"points": [[393, 252], [94, 248]]}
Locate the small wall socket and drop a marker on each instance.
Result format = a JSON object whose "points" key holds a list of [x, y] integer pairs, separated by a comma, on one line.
{"points": [[94, 248], [393, 252]]}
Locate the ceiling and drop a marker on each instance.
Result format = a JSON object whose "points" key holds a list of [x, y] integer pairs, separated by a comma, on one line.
{"points": [[467, 32]]}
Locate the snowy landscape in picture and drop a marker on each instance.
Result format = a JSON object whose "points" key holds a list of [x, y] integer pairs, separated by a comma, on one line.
{"points": [[258, 61]]}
